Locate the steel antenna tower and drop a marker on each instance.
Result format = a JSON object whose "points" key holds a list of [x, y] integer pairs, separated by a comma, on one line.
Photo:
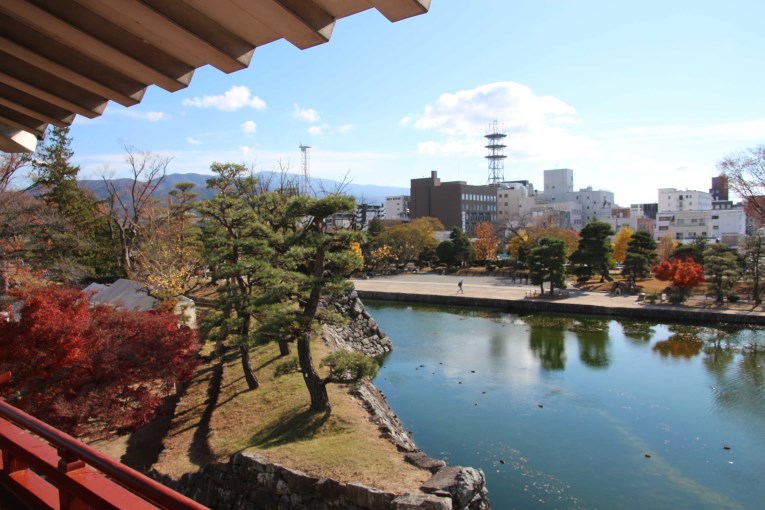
{"points": [[305, 164], [496, 156]]}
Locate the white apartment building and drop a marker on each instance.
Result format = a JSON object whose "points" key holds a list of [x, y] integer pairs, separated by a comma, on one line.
{"points": [[596, 204], [729, 225], [690, 215], [558, 183], [512, 199], [671, 199], [396, 208]]}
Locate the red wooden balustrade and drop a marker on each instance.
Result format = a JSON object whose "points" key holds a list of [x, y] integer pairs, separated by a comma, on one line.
{"points": [[48, 469]]}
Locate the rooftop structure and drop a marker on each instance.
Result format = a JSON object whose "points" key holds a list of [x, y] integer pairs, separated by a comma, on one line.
{"points": [[496, 154]]}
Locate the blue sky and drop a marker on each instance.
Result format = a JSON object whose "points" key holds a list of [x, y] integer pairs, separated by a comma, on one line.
{"points": [[633, 96]]}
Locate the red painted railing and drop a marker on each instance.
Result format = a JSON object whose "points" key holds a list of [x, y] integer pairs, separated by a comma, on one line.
{"points": [[48, 469]]}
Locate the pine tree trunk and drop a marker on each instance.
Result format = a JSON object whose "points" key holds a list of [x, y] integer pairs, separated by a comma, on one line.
{"points": [[284, 348], [249, 375], [317, 388]]}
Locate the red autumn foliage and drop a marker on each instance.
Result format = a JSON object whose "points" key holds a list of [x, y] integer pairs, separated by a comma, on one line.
{"points": [[683, 273], [92, 369]]}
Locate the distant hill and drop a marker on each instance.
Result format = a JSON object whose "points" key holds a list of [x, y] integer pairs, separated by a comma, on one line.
{"points": [[367, 193]]}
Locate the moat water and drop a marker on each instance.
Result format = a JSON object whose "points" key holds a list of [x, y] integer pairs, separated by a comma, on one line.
{"points": [[582, 413]]}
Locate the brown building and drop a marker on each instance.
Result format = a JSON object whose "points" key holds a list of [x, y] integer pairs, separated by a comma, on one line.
{"points": [[719, 190], [456, 203]]}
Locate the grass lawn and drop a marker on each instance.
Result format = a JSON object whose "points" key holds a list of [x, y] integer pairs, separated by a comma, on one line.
{"points": [[217, 416]]}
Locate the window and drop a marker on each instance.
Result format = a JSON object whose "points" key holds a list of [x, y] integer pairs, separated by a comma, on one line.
{"points": [[715, 227], [715, 217], [664, 227]]}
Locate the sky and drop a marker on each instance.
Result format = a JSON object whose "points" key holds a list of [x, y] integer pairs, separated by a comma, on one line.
{"points": [[633, 96]]}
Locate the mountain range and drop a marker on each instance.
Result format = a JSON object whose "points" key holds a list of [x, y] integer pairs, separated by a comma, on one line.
{"points": [[364, 193]]}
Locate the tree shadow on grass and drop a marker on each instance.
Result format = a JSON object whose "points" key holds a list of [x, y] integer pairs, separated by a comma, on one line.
{"points": [[200, 452], [299, 426], [146, 444]]}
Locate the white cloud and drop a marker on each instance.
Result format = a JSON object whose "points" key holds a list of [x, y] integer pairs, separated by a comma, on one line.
{"points": [[245, 151], [306, 114], [534, 124], [235, 98], [315, 130], [137, 114], [248, 126], [345, 128], [193, 141], [405, 121]]}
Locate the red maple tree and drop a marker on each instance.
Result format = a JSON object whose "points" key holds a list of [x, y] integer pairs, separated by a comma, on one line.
{"points": [[683, 273], [91, 369]]}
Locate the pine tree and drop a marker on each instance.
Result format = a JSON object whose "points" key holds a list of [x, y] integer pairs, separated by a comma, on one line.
{"points": [[547, 262], [76, 245], [640, 256], [594, 253]]}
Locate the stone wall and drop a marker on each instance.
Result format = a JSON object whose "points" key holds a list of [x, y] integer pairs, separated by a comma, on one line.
{"points": [[361, 334], [249, 481]]}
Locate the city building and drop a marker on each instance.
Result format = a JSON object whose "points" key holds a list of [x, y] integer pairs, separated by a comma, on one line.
{"points": [[690, 215], [719, 189], [672, 200], [397, 208], [366, 213], [455, 203], [512, 199], [558, 183]]}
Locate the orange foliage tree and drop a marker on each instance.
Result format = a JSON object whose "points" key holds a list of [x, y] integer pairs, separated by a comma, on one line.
{"points": [[684, 274]]}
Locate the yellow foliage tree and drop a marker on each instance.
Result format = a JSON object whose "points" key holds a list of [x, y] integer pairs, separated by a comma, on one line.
{"points": [[620, 244], [666, 246], [486, 243], [356, 249], [517, 243], [380, 255]]}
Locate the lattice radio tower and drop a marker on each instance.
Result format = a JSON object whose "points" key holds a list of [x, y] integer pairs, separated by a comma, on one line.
{"points": [[305, 164], [496, 156]]}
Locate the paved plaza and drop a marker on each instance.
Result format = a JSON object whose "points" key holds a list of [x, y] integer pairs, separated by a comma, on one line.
{"points": [[503, 288]]}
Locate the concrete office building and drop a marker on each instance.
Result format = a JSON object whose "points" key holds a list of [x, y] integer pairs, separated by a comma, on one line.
{"points": [[397, 208], [673, 200], [455, 203], [512, 199], [559, 183]]}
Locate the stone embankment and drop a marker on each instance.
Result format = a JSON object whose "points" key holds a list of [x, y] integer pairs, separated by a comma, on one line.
{"points": [[361, 334], [249, 481]]}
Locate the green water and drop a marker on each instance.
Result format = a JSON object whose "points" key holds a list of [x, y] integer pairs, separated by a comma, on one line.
{"points": [[570, 413]]}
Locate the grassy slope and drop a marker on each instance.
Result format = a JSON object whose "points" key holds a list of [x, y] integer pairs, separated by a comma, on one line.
{"points": [[273, 421]]}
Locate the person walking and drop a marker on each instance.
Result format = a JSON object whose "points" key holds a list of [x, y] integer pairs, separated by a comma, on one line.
{"points": [[459, 288]]}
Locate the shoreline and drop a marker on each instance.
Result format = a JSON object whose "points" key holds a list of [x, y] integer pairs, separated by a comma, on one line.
{"points": [[499, 294]]}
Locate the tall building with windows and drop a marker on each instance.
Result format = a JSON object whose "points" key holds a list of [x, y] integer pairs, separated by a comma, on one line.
{"points": [[719, 190], [397, 208], [671, 199], [455, 203], [559, 183]]}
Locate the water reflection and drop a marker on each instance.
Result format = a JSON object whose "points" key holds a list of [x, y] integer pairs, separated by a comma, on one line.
{"points": [[638, 331], [549, 346], [593, 338], [680, 413], [678, 348], [717, 360]]}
